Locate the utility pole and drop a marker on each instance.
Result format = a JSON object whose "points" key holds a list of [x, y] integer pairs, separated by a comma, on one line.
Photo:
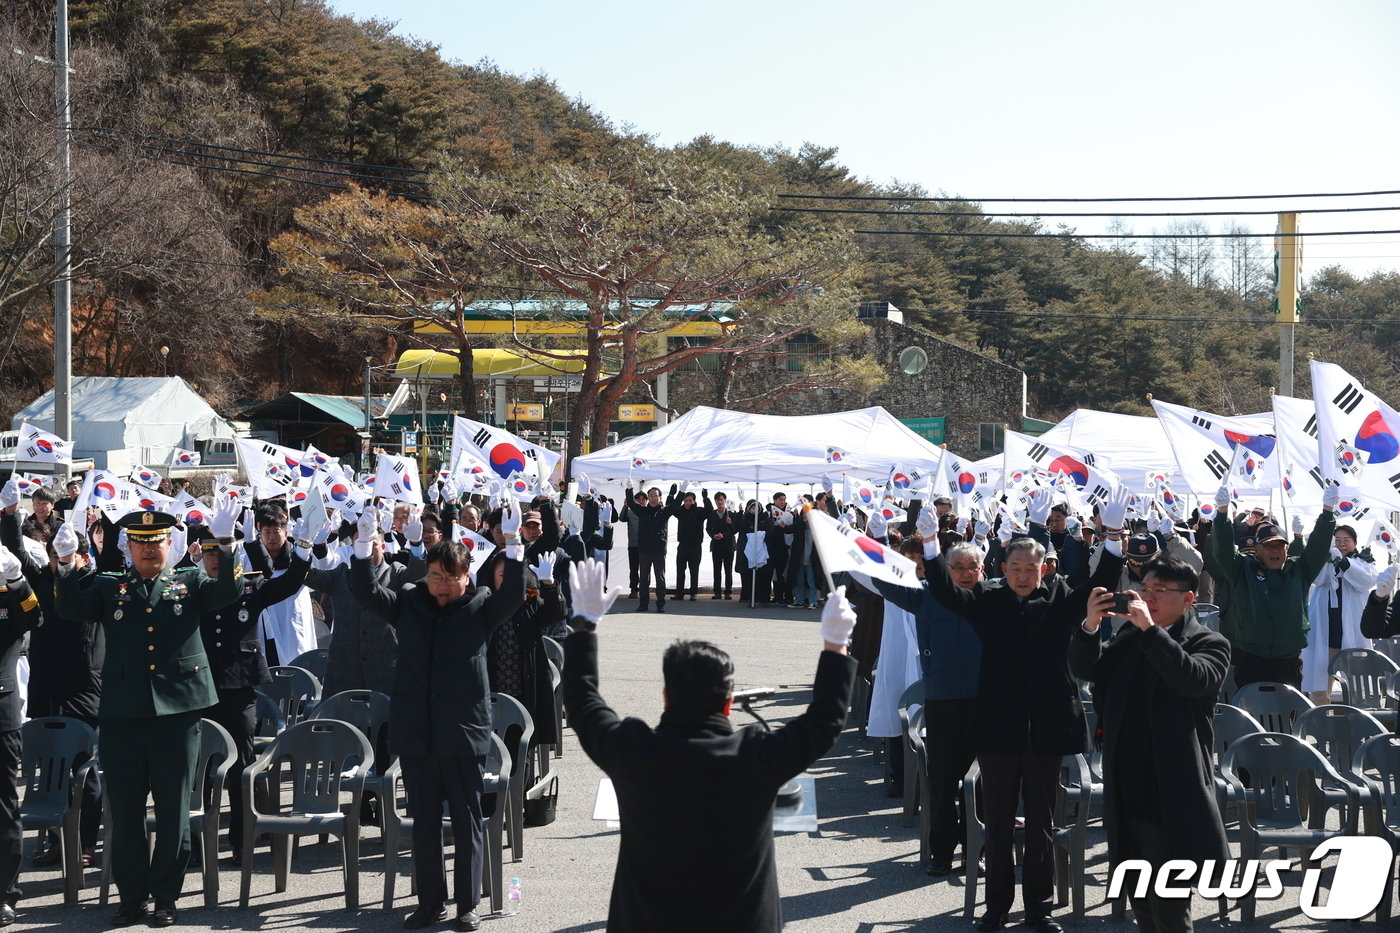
{"points": [[1287, 304], [62, 246], [369, 424]]}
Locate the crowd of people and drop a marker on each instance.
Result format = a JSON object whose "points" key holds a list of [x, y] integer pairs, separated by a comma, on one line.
{"points": [[143, 626]]}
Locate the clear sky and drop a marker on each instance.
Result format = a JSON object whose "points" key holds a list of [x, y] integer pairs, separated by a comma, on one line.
{"points": [[994, 98]]}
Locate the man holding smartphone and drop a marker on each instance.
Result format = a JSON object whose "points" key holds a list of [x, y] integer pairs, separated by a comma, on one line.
{"points": [[1156, 683]]}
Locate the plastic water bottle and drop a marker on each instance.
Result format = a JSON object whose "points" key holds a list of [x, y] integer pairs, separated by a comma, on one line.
{"points": [[513, 897]]}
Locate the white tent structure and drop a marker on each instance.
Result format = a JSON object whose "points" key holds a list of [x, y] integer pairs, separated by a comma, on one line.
{"points": [[711, 445], [146, 416]]}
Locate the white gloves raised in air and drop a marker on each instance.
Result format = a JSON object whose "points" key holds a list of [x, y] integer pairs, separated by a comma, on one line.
{"points": [[588, 584], [838, 618]]}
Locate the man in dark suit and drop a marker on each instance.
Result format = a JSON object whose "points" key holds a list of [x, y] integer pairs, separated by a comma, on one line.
{"points": [[696, 797], [719, 525], [19, 612], [156, 683], [1028, 715], [1157, 682], [440, 708]]}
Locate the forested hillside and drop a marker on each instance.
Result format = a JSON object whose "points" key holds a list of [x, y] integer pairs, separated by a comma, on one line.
{"points": [[202, 128]]}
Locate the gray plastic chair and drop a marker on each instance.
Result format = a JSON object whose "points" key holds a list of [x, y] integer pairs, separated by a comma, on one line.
{"points": [[1377, 766], [506, 713], [1080, 790], [216, 757], [1276, 706], [495, 804], [1281, 772], [295, 690], [314, 661], [325, 757], [556, 683], [51, 787], [555, 652], [1364, 674], [913, 695], [976, 840], [368, 711], [1228, 724], [1336, 731]]}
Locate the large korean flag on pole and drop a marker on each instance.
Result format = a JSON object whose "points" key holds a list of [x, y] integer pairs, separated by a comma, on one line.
{"points": [[1358, 435], [1205, 445], [500, 450], [844, 548]]}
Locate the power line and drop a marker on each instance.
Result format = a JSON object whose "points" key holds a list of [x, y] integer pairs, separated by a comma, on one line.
{"points": [[1113, 236], [1204, 197], [1025, 316], [852, 210], [261, 152]]}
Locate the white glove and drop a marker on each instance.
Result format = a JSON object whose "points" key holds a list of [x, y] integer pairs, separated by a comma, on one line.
{"points": [[1330, 497], [1297, 523], [605, 513], [544, 567], [827, 484], [588, 584], [1040, 506], [299, 532], [981, 529], [250, 527], [510, 520], [413, 528], [224, 518], [65, 542], [449, 490], [877, 525], [1004, 533], [838, 618], [680, 491], [1385, 581], [1334, 554], [1115, 511], [1165, 526], [386, 519], [365, 530], [1072, 526], [323, 534], [10, 568], [962, 526], [1222, 499], [9, 494], [849, 516], [927, 523], [123, 544], [434, 494]]}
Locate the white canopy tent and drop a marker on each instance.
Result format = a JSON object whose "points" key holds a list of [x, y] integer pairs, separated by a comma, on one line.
{"points": [[150, 416], [711, 445]]}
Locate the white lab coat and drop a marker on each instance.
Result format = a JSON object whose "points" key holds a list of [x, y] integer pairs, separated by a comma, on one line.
{"points": [[1353, 586]]}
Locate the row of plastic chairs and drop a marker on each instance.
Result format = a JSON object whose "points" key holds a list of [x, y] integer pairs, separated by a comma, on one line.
{"points": [[324, 756]]}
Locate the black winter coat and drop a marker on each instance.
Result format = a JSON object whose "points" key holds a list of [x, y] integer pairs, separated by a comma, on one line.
{"points": [[19, 613], [707, 864], [440, 705], [1173, 678], [231, 639], [1027, 700]]}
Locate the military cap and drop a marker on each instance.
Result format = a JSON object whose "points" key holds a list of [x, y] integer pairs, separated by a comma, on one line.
{"points": [[148, 526]]}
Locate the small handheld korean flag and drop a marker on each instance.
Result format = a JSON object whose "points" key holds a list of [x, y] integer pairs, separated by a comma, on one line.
{"points": [[397, 479], [145, 476], [313, 511], [179, 458], [836, 455], [1385, 536], [860, 492], [38, 446], [520, 487], [844, 548], [1246, 468]]}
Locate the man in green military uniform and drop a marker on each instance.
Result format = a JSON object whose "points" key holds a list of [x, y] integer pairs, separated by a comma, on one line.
{"points": [[155, 684]]}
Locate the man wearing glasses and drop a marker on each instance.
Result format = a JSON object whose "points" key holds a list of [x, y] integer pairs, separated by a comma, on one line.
{"points": [[1156, 683]]}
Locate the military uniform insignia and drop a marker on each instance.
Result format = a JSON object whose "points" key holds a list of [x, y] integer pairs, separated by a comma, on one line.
{"points": [[117, 616], [243, 615], [4, 613], [178, 608], [148, 518]]}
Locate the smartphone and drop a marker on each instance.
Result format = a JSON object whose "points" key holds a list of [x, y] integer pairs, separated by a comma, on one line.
{"points": [[1119, 606]]}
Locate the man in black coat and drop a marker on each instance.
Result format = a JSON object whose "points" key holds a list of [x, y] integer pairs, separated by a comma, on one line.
{"points": [[440, 708], [719, 525], [1028, 714], [19, 612], [695, 796], [1157, 682], [652, 519], [690, 537]]}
